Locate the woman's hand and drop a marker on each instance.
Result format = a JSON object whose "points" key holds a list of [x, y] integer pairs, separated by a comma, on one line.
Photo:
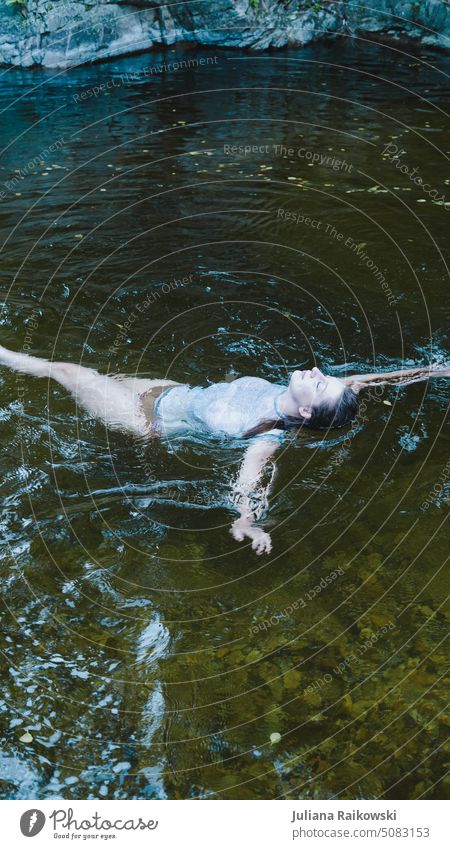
{"points": [[250, 498], [243, 527]]}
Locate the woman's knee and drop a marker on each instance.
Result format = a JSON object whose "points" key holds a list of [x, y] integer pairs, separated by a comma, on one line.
{"points": [[70, 374]]}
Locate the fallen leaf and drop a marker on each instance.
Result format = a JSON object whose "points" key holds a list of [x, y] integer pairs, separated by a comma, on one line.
{"points": [[26, 738], [275, 737]]}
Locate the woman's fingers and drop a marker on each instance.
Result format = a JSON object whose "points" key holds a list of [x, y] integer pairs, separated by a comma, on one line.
{"points": [[261, 541]]}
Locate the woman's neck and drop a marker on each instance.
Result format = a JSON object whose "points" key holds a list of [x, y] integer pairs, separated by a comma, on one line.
{"points": [[286, 404]]}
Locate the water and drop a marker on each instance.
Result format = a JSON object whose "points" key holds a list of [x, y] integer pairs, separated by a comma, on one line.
{"points": [[145, 652]]}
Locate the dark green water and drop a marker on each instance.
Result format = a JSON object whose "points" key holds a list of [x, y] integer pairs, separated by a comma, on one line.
{"points": [[146, 653]]}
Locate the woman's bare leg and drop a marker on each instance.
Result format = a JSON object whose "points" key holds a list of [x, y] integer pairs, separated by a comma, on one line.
{"points": [[114, 402]]}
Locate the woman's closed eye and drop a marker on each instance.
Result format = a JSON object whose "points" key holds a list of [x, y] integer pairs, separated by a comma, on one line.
{"points": [[320, 385]]}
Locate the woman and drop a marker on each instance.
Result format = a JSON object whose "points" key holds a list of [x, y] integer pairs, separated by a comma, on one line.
{"points": [[247, 408]]}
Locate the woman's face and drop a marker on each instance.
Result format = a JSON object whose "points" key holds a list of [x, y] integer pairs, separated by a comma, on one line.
{"points": [[310, 387]]}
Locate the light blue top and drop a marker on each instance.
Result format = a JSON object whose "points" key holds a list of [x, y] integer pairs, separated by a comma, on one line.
{"points": [[222, 409]]}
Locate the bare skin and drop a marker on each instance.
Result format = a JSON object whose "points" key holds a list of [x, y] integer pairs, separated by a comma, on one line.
{"points": [[304, 390], [116, 400], [399, 378]]}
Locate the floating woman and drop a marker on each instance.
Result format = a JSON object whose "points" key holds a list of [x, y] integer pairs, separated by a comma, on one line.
{"points": [[248, 408]]}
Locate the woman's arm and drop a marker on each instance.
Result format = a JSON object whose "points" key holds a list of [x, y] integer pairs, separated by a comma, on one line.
{"points": [[404, 376], [250, 499]]}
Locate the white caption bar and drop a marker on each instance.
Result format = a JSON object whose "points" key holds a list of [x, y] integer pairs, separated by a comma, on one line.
{"points": [[223, 824]]}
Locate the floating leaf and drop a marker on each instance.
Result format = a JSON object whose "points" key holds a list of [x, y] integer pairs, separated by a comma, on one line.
{"points": [[275, 737], [26, 738]]}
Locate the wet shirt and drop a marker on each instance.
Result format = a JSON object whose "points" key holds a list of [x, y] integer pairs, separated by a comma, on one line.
{"points": [[222, 409]]}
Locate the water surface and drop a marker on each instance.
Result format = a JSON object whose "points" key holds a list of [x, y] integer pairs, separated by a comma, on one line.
{"points": [[145, 652]]}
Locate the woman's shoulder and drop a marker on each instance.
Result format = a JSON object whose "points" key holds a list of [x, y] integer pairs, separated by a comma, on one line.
{"points": [[247, 380]]}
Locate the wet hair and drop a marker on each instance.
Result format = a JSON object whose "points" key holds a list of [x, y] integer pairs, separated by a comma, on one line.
{"points": [[323, 416]]}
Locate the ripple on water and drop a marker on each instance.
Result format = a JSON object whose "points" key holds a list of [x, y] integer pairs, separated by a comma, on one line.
{"points": [[117, 585]]}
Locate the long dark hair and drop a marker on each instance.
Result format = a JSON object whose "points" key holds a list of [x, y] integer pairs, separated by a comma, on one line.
{"points": [[322, 416]]}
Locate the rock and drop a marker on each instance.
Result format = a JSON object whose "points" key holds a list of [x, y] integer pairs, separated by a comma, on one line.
{"points": [[67, 33], [292, 679]]}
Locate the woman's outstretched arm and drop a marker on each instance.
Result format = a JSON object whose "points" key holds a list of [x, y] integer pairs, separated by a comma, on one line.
{"points": [[400, 377], [250, 498]]}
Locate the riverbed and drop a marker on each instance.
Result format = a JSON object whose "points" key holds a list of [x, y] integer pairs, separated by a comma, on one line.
{"points": [[199, 215]]}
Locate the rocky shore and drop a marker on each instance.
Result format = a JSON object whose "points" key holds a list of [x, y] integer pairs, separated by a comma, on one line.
{"points": [[66, 33]]}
